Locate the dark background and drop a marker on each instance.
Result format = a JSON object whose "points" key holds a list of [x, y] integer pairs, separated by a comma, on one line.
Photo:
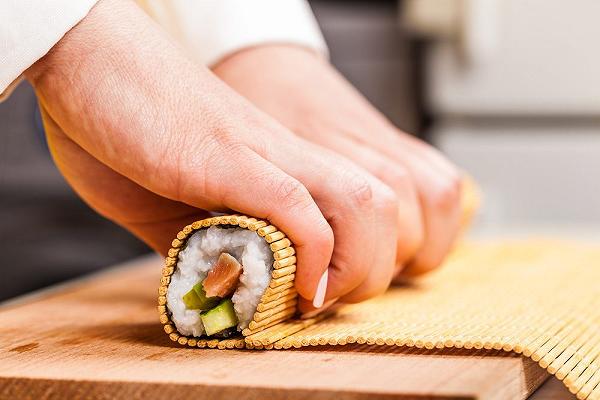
{"points": [[47, 234]]}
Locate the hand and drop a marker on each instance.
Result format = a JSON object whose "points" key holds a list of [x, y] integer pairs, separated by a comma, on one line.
{"points": [[307, 95], [152, 141]]}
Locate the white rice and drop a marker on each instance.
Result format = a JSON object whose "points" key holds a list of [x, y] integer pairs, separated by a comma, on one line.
{"points": [[200, 254]]}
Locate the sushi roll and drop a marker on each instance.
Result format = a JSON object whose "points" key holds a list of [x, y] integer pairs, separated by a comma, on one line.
{"points": [[226, 278]]}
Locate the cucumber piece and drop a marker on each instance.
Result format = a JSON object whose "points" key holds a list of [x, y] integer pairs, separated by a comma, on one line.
{"points": [[219, 318], [206, 303], [196, 299], [191, 300]]}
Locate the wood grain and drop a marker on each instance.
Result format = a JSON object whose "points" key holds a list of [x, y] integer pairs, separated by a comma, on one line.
{"points": [[552, 389], [100, 338]]}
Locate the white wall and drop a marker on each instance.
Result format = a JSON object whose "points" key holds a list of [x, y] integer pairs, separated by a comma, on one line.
{"points": [[543, 58], [545, 176]]}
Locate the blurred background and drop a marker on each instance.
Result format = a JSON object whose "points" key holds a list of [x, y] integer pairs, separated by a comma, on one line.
{"points": [[508, 89]]}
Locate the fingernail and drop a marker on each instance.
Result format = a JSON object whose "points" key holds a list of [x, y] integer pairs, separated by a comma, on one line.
{"points": [[316, 312], [321, 290]]}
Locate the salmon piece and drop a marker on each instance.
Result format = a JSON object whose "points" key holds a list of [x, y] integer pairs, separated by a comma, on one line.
{"points": [[223, 278]]}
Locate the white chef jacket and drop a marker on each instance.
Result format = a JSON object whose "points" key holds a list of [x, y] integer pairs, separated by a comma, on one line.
{"points": [[207, 29]]}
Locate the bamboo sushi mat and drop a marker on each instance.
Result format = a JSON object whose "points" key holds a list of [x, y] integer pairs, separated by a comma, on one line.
{"points": [[539, 298]]}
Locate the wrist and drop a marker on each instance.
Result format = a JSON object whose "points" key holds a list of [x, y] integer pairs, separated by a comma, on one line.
{"points": [[85, 41]]}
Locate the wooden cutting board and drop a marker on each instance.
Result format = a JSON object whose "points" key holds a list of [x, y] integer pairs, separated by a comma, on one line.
{"points": [[100, 338]]}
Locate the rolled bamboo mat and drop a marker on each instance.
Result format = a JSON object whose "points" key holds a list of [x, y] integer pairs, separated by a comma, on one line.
{"points": [[277, 303]]}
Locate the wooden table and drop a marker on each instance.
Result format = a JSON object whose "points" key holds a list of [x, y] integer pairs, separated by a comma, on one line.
{"points": [[99, 337]]}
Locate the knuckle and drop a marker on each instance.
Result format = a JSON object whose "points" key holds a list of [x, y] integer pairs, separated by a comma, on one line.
{"points": [[324, 236], [292, 193], [202, 164], [360, 192], [446, 196], [227, 146], [385, 200], [370, 193], [202, 151], [213, 145], [399, 176]]}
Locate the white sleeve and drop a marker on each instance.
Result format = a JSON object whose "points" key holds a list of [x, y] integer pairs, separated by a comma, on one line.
{"points": [[29, 29], [211, 29]]}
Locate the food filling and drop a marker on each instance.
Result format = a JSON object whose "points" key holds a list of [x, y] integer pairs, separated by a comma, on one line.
{"points": [[221, 275], [212, 297]]}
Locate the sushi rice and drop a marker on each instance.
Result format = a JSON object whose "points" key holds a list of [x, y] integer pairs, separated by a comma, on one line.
{"points": [[197, 258]]}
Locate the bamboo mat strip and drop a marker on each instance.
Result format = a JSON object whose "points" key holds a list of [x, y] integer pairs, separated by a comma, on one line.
{"points": [[540, 298]]}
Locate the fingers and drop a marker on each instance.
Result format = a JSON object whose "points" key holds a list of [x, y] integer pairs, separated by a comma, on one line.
{"points": [[245, 182], [437, 183], [428, 189], [430, 155], [362, 213], [327, 110], [397, 177], [440, 199]]}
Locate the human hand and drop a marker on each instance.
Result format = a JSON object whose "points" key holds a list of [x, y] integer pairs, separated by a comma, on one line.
{"points": [[152, 141], [303, 92]]}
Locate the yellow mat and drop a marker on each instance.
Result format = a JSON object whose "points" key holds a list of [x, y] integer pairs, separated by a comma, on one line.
{"points": [[540, 298]]}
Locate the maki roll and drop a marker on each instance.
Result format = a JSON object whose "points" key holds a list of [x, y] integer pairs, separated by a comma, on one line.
{"points": [[225, 278]]}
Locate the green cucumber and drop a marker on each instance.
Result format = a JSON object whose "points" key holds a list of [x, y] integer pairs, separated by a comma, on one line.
{"points": [[196, 299], [219, 318]]}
